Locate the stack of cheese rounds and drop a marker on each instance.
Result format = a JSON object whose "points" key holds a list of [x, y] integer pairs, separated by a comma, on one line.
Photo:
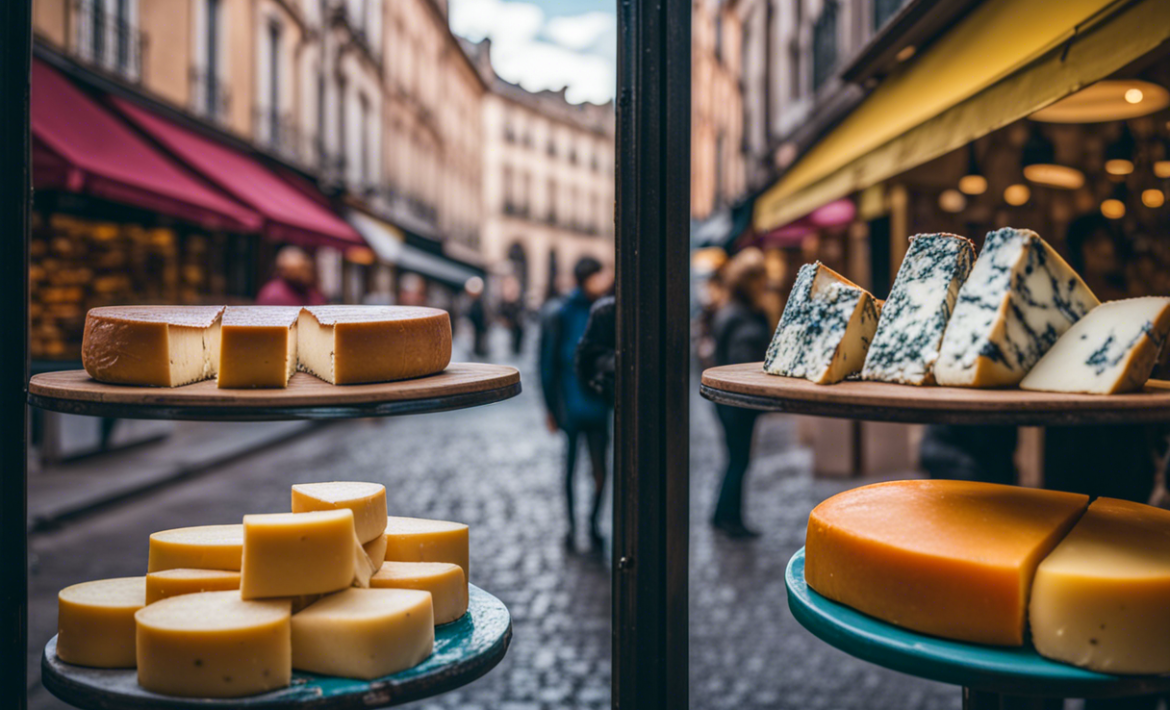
{"points": [[335, 587]]}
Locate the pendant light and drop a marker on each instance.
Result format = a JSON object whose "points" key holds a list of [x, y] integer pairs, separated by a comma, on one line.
{"points": [[1040, 166], [1162, 167], [1114, 206], [1016, 195], [973, 182], [1110, 100], [1153, 198], [1119, 153]]}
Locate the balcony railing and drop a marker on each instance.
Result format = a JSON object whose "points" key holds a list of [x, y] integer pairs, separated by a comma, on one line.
{"points": [[278, 132], [108, 41], [209, 95]]}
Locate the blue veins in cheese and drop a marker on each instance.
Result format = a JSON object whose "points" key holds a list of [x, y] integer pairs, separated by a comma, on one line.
{"points": [[914, 317], [1112, 350], [826, 328], [1019, 299]]}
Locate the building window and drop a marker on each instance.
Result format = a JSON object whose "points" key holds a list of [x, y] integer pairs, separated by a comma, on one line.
{"points": [[794, 69], [551, 199], [825, 44], [211, 59], [367, 142], [883, 10], [719, 35], [552, 148], [107, 35], [274, 81]]}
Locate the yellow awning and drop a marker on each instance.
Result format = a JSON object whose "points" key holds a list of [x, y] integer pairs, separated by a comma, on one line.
{"points": [[1005, 60]]}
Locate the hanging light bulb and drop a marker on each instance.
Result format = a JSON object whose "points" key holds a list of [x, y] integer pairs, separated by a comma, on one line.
{"points": [[1162, 167], [1153, 198], [973, 183], [1016, 195], [1040, 166], [1119, 153], [952, 201], [1114, 207]]}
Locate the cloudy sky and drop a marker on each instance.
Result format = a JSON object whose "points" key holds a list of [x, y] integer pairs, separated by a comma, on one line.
{"points": [[546, 44]]}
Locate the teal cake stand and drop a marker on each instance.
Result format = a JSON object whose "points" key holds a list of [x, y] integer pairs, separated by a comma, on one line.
{"points": [[991, 677], [464, 650]]}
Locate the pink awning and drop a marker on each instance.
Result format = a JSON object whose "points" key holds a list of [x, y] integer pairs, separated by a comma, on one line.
{"points": [[81, 146], [289, 215]]}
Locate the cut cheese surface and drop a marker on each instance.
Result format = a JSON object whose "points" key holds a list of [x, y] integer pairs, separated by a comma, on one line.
{"points": [[290, 554], [200, 547], [949, 558], [354, 344], [420, 540], [825, 331], [1111, 350], [366, 500], [914, 317], [364, 633], [1101, 600], [444, 581], [158, 346], [173, 582], [95, 622], [376, 552], [1020, 297], [258, 346], [214, 645]]}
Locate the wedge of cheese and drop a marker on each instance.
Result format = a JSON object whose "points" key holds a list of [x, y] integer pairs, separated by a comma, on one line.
{"points": [[1020, 297], [949, 558], [914, 317], [348, 345], [444, 581], [159, 346], [291, 554], [200, 547], [95, 622], [825, 331], [1112, 350], [376, 552], [258, 346], [214, 645], [419, 540], [366, 500], [364, 633], [173, 582], [1099, 600]]}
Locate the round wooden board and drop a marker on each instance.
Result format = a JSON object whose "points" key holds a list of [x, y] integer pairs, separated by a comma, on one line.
{"points": [[306, 397], [748, 386], [464, 650], [998, 669]]}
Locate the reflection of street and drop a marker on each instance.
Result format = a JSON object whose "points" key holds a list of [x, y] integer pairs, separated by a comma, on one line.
{"points": [[498, 470]]}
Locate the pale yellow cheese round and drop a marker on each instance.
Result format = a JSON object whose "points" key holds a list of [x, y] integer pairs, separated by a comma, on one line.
{"points": [[173, 582], [258, 346], [366, 500], [419, 540], [348, 345], [443, 580], [290, 554], [364, 633], [214, 645], [160, 346], [202, 547], [95, 622]]}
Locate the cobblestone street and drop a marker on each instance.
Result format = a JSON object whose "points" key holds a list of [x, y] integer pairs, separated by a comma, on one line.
{"points": [[497, 469]]}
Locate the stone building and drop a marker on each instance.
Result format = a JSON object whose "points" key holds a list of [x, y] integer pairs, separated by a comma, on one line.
{"points": [[717, 113]]}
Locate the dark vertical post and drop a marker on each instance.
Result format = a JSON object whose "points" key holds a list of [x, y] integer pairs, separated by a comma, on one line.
{"points": [[15, 48], [651, 503]]}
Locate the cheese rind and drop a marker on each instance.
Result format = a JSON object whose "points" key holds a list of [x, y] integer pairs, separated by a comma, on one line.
{"points": [[444, 581], [366, 500], [825, 330], [290, 554], [347, 345], [95, 622], [173, 582], [364, 633], [1112, 350], [420, 540], [214, 645], [376, 552], [1020, 297], [200, 547], [914, 317], [949, 558], [258, 346], [1099, 601], [157, 346]]}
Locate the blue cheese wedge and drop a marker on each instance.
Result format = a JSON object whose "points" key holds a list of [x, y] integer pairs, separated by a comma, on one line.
{"points": [[1110, 351], [914, 317], [826, 328], [1020, 297]]}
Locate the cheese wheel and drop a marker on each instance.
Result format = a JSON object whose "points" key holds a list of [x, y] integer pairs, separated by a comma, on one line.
{"points": [[214, 645], [95, 622], [949, 558], [366, 500], [200, 547], [444, 581], [348, 345], [158, 346], [364, 633], [419, 540], [173, 582], [376, 551], [258, 346], [1101, 600], [290, 554]]}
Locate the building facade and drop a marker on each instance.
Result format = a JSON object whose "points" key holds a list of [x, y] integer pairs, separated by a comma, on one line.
{"points": [[717, 112]]}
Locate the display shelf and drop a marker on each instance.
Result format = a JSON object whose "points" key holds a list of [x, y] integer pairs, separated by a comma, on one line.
{"points": [[748, 386], [460, 386], [464, 650], [1001, 670]]}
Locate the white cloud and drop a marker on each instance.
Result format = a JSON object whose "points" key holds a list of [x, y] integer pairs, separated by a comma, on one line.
{"points": [[581, 32]]}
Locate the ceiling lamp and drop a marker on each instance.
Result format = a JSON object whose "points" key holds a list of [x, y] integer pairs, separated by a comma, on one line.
{"points": [[1040, 166], [1112, 100], [1153, 198], [1119, 153], [951, 201], [1016, 195], [973, 183], [1114, 207], [1162, 167]]}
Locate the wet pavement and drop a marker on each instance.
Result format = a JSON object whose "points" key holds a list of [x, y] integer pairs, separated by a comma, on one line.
{"points": [[497, 469]]}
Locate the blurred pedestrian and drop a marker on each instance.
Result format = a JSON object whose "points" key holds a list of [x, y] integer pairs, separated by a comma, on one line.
{"points": [[477, 315], [571, 407], [597, 351], [512, 311], [294, 283], [741, 334]]}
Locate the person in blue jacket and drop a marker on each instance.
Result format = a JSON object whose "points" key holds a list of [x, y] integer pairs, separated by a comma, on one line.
{"points": [[571, 407]]}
